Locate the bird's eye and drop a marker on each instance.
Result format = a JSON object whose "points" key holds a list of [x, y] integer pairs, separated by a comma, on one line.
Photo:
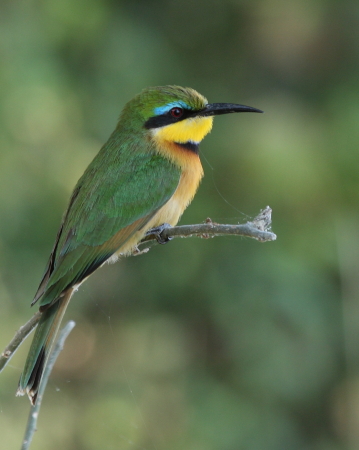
{"points": [[176, 112]]}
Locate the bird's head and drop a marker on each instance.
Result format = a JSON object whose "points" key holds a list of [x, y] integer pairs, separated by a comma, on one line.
{"points": [[177, 115]]}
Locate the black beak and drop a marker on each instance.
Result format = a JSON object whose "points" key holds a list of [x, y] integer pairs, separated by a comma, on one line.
{"points": [[216, 109]]}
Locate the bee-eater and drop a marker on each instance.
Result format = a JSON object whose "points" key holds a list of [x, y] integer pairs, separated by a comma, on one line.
{"points": [[144, 176]]}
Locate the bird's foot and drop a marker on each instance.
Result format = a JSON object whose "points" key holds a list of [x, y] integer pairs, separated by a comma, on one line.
{"points": [[157, 233]]}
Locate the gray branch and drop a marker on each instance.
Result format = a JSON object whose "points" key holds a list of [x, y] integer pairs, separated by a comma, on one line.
{"points": [[19, 337], [34, 411], [257, 229]]}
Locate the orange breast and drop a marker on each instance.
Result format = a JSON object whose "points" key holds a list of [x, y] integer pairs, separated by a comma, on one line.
{"points": [[192, 173]]}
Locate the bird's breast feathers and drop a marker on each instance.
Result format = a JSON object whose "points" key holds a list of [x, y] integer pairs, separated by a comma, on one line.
{"points": [[170, 212]]}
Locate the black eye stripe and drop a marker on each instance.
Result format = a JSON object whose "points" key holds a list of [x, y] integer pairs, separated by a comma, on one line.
{"points": [[167, 118]]}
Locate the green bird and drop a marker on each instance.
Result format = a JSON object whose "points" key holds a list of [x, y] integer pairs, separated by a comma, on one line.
{"points": [[144, 176]]}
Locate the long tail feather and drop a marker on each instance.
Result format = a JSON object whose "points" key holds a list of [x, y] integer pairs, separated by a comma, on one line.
{"points": [[40, 347]]}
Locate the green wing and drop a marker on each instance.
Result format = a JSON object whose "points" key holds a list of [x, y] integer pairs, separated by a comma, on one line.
{"points": [[117, 195]]}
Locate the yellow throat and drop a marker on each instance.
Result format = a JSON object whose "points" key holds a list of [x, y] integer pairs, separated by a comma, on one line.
{"points": [[188, 130]]}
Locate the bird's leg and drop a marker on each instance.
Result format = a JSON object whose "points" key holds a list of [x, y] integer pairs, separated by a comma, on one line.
{"points": [[157, 231]]}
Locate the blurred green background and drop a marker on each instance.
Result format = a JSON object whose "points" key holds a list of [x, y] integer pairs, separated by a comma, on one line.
{"points": [[221, 344]]}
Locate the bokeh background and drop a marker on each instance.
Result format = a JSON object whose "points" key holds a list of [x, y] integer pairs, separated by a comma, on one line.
{"points": [[220, 344]]}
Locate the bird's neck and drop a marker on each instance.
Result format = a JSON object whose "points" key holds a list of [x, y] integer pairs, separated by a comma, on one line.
{"points": [[179, 142]]}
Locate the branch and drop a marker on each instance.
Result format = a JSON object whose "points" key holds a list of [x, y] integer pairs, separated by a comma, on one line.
{"points": [[257, 229], [34, 411], [19, 337]]}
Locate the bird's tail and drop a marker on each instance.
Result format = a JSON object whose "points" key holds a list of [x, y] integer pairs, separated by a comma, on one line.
{"points": [[40, 347]]}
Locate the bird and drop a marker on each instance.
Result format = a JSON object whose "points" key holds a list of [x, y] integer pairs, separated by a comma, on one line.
{"points": [[141, 181]]}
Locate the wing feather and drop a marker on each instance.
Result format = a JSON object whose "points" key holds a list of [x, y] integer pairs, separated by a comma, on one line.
{"points": [[117, 196]]}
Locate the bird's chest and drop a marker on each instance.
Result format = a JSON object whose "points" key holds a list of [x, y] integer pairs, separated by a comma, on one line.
{"points": [[172, 211]]}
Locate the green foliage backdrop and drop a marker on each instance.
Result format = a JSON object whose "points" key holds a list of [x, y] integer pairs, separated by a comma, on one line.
{"points": [[221, 344]]}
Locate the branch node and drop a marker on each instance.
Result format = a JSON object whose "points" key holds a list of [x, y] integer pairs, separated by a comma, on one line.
{"points": [[209, 222]]}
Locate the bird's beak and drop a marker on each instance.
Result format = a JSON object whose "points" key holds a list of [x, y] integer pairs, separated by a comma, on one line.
{"points": [[216, 109]]}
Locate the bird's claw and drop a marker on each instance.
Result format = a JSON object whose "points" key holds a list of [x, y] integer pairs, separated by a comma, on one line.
{"points": [[157, 233]]}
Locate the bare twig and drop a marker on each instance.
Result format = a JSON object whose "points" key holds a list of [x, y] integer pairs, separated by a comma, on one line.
{"points": [[34, 411], [257, 229], [19, 337]]}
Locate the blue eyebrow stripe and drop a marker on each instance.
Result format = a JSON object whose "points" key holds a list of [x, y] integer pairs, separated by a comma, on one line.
{"points": [[164, 109]]}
